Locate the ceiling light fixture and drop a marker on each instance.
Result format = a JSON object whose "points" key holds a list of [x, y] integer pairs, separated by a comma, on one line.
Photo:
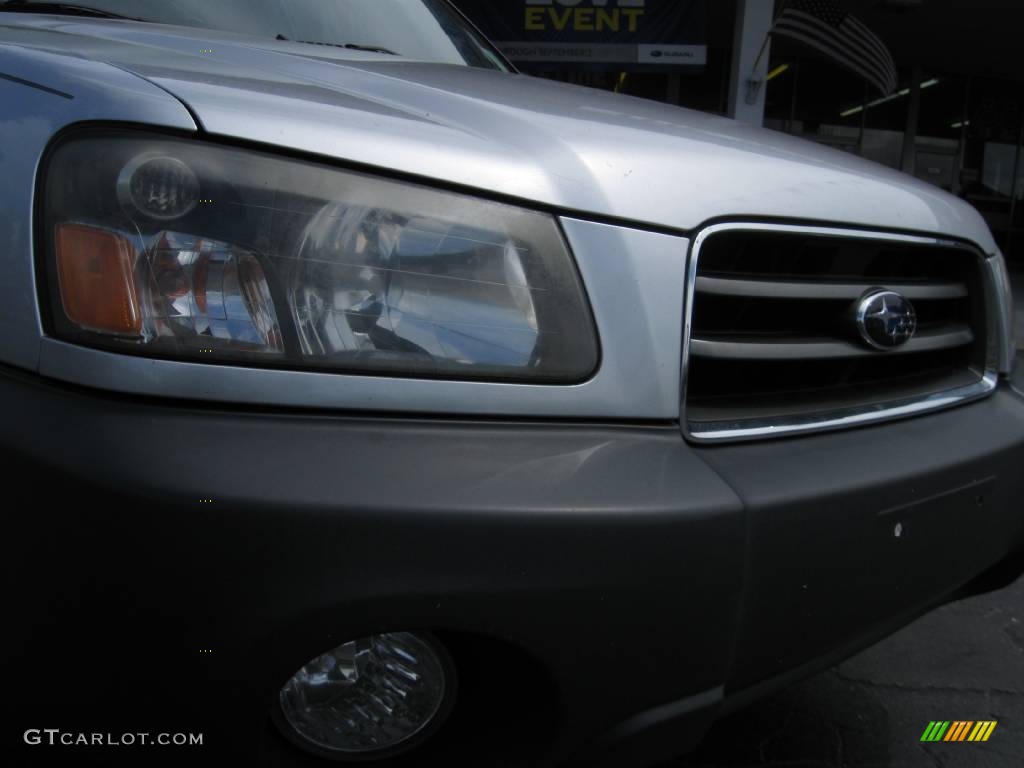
{"points": [[891, 97]]}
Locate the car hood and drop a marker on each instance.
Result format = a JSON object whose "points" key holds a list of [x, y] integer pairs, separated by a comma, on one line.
{"points": [[582, 151]]}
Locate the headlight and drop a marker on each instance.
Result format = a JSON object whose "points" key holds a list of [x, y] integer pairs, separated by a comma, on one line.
{"points": [[174, 248]]}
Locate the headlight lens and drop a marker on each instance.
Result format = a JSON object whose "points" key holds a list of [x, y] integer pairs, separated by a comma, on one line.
{"points": [[174, 248]]}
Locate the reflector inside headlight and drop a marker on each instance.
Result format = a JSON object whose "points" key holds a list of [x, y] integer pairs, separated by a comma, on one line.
{"points": [[175, 248]]}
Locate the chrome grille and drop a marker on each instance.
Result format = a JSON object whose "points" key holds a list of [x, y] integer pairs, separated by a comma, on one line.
{"points": [[772, 346]]}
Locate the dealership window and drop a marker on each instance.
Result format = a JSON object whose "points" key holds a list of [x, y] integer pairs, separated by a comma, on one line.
{"points": [[966, 130], [993, 176], [705, 90], [808, 97]]}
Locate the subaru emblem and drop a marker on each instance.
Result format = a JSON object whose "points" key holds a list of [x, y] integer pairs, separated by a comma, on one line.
{"points": [[886, 319]]}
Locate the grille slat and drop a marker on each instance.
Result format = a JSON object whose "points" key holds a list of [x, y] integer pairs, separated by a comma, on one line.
{"points": [[781, 289], [773, 345], [947, 337]]}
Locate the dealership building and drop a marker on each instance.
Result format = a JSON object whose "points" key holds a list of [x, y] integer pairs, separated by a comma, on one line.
{"points": [[953, 119]]}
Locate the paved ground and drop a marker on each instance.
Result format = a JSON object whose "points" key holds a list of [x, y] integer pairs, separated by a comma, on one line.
{"points": [[963, 662]]}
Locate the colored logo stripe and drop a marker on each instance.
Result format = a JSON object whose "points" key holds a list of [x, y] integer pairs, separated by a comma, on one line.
{"points": [[982, 731], [958, 730]]}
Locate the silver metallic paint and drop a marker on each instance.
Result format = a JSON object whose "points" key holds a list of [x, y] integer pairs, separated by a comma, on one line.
{"points": [[1002, 316]]}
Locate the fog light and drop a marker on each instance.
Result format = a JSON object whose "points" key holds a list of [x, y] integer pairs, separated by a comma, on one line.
{"points": [[369, 698]]}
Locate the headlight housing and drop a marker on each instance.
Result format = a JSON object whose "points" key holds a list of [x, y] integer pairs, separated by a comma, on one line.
{"points": [[176, 248]]}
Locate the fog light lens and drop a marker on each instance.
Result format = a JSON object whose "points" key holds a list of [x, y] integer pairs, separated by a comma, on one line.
{"points": [[369, 697]]}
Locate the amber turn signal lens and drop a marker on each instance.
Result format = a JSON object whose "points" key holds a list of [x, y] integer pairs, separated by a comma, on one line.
{"points": [[97, 284]]}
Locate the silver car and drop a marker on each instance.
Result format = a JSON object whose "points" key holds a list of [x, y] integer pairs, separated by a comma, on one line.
{"points": [[364, 399]]}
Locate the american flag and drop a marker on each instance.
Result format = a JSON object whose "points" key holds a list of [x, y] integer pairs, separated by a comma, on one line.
{"points": [[825, 26]]}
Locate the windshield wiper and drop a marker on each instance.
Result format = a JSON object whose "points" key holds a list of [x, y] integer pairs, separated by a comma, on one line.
{"points": [[64, 9], [349, 46]]}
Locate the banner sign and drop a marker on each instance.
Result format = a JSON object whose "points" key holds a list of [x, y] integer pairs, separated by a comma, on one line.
{"points": [[596, 34]]}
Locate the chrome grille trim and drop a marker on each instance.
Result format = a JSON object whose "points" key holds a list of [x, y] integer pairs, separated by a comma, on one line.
{"points": [[869, 413]]}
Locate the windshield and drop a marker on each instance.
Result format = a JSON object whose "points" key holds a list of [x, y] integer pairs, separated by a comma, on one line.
{"points": [[422, 29]]}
